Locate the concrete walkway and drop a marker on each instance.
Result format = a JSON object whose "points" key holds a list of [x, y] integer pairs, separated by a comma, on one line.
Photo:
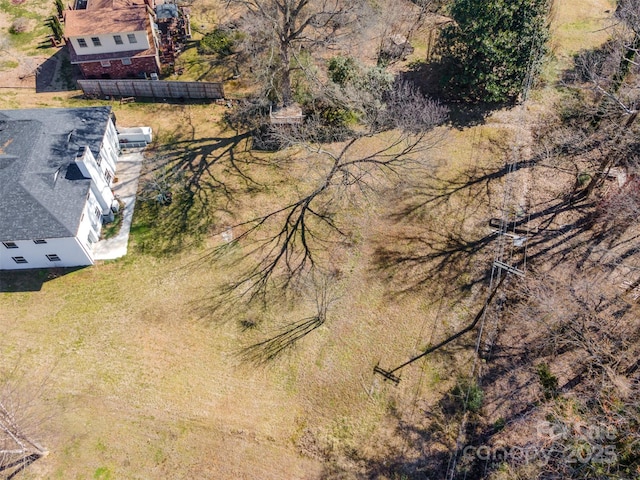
{"points": [[128, 173]]}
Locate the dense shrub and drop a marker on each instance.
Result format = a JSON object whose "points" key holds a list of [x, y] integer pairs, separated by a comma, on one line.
{"points": [[219, 42], [19, 25], [342, 69], [468, 393], [548, 381]]}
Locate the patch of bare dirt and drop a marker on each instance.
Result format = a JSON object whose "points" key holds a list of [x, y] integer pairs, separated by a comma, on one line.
{"points": [[21, 76]]}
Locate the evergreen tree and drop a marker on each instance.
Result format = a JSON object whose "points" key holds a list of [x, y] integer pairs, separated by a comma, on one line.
{"points": [[59, 7], [491, 46], [56, 28]]}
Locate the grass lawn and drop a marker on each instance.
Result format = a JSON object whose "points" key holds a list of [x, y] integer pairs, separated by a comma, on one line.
{"points": [[142, 360], [35, 12]]}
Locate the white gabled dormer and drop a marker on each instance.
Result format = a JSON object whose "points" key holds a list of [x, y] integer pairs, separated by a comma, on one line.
{"points": [[99, 185]]}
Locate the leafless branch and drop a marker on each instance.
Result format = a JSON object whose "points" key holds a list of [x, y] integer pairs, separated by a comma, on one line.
{"points": [[19, 422], [280, 29], [286, 240], [322, 289]]}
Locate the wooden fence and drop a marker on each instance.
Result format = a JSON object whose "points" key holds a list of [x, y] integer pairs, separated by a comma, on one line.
{"points": [[152, 89]]}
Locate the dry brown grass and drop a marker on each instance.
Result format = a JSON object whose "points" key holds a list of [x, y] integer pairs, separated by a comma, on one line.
{"points": [[145, 376], [147, 379], [140, 384], [579, 25]]}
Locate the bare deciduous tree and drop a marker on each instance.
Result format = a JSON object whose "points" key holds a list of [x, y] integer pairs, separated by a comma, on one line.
{"points": [[399, 24], [321, 286], [607, 103], [585, 323], [279, 31], [286, 240], [159, 185], [19, 422], [608, 69]]}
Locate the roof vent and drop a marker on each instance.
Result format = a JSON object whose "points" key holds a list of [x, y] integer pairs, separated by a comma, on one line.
{"points": [[56, 174]]}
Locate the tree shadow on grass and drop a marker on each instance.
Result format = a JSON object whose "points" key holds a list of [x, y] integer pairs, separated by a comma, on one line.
{"points": [[320, 286], [267, 350], [188, 187], [424, 443], [563, 320], [13, 468], [431, 249], [554, 244], [564, 230], [417, 447]]}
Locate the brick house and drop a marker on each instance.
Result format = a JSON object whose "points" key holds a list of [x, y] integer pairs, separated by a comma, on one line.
{"points": [[113, 38]]}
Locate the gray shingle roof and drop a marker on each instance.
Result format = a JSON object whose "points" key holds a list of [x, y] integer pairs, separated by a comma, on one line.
{"points": [[42, 194]]}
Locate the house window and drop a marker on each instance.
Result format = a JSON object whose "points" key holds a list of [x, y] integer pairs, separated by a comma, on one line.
{"points": [[97, 212], [118, 39], [53, 257], [105, 63], [82, 42], [126, 61], [19, 259], [132, 38], [107, 176], [96, 42], [10, 244], [39, 241]]}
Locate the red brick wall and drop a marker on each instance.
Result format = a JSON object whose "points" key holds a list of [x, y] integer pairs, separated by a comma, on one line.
{"points": [[118, 70]]}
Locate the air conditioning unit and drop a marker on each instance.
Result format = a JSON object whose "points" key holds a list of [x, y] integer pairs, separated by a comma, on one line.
{"points": [[154, 76]]}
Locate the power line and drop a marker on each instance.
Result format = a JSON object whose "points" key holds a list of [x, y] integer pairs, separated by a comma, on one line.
{"points": [[499, 265], [502, 265]]}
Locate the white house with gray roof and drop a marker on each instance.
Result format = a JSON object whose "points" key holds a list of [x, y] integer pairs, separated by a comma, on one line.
{"points": [[56, 170]]}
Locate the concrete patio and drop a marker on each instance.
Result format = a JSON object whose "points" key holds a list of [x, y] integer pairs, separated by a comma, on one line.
{"points": [[128, 173]]}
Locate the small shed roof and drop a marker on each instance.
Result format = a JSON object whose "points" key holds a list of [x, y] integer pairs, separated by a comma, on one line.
{"points": [[166, 10], [291, 114]]}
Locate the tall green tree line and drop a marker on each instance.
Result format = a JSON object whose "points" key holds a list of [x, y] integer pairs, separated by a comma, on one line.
{"points": [[492, 47]]}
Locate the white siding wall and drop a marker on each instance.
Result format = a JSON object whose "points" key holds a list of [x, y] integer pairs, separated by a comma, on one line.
{"points": [[108, 43], [155, 33], [110, 149], [100, 187], [90, 226], [90, 216], [68, 249]]}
